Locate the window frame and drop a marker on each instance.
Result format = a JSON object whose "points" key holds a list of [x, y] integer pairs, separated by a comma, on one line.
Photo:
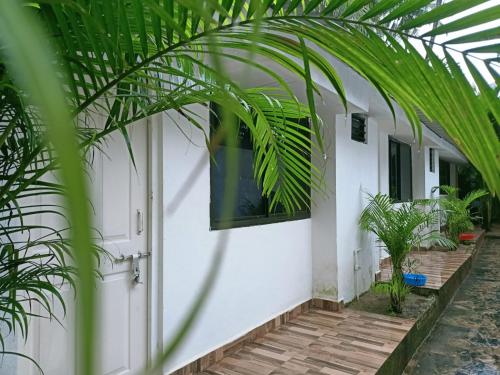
{"points": [[398, 198], [269, 218]]}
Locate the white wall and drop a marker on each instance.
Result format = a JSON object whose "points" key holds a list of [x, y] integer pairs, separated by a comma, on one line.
{"points": [[432, 178], [356, 174], [266, 270]]}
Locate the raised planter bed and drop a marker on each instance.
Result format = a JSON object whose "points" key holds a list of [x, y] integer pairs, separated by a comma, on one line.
{"points": [[425, 305]]}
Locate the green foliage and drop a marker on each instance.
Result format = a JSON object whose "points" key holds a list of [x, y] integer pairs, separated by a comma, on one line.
{"points": [[457, 211], [34, 267], [400, 228], [158, 57], [470, 179], [397, 291], [130, 59]]}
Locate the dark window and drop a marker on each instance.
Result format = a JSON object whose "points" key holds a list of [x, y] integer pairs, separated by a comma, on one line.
{"points": [[400, 171], [358, 127], [444, 172], [251, 208], [432, 160]]}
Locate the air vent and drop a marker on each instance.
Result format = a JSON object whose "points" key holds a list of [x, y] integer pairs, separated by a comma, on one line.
{"points": [[358, 128]]}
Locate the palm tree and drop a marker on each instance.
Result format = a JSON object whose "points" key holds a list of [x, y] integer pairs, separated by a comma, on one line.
{"points": [[400, 229], [129, 59]]}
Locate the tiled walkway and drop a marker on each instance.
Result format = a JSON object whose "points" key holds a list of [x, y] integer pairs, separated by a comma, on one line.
{"points": [[438, 266], [466, 340], [320, 342]]}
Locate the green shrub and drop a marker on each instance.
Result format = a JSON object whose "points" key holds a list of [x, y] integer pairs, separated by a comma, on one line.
{"points": [[457, 211]]}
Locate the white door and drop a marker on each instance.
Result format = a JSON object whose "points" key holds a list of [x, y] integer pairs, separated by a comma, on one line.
{"points": [[120, 204], [123, 328]]}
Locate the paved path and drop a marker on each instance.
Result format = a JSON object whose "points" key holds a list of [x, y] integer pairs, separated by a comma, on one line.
{"points": [[466, 340]]}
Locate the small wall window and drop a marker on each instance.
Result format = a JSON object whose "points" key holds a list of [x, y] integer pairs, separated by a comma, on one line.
{"points": [[432, 160], [251, 208], [358, 127], [400, 171]]}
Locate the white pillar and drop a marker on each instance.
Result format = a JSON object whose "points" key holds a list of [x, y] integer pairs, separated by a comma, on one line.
{"points": [[323, 223]]}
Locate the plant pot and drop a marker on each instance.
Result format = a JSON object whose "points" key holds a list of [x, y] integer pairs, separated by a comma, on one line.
{"points": [[466, 237], [414, 279]]}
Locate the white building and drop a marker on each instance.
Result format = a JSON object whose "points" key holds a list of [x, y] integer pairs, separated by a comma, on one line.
{"points": [[271, 265]]}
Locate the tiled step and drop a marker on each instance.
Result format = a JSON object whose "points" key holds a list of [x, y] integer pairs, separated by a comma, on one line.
{"points": [[320, 342]]}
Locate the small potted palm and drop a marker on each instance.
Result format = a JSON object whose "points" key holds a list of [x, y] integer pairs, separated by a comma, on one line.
{"points": [[401, 228], [458, 213]]}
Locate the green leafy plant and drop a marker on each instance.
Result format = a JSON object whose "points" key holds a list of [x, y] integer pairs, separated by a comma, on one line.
{"points": [[159, 57], [130, 59], [400, 228], [457, 211], [397, 291], [410, 265]]}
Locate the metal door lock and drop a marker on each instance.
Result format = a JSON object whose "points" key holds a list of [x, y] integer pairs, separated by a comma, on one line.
{"points": [[135, 271]]}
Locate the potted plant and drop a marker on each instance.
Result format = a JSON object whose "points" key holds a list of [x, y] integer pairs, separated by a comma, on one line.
{"points": [[457, 212], [399, 229]]}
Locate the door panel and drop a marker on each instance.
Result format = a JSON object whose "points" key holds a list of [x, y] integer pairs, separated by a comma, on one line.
{"points": [[119, 191], [114, 339]]}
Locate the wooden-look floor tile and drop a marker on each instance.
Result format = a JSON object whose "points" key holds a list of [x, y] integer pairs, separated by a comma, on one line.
{"points": [[438, 266], [319, 342]]}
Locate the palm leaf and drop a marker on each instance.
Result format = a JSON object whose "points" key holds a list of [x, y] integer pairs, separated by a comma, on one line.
{"points": [[154, 32]]}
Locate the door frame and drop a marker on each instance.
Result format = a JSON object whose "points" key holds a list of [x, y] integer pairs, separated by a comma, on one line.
{"points": [[156, 158]]}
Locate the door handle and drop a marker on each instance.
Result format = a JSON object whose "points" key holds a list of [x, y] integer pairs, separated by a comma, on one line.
{"points": [[140, 222]]}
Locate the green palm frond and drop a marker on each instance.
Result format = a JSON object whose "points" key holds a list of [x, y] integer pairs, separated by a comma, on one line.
{"points": [[401, 227], [156, 56], [35, 259]]}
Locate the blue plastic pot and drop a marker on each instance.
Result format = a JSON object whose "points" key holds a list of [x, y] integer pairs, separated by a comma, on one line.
{"points": [[414, 279]]}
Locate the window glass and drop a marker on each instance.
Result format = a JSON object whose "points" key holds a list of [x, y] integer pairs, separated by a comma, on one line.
{"points": [[432, 161], [249, 200], [444, 172], [393, 170], [406, 172], [251, 208], [400, 171]]}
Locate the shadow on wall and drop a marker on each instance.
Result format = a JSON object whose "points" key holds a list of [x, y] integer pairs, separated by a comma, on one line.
{"points": [[364, 254]]}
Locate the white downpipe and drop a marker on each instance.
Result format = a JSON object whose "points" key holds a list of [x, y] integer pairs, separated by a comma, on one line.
{"points": [[357, 267]]}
